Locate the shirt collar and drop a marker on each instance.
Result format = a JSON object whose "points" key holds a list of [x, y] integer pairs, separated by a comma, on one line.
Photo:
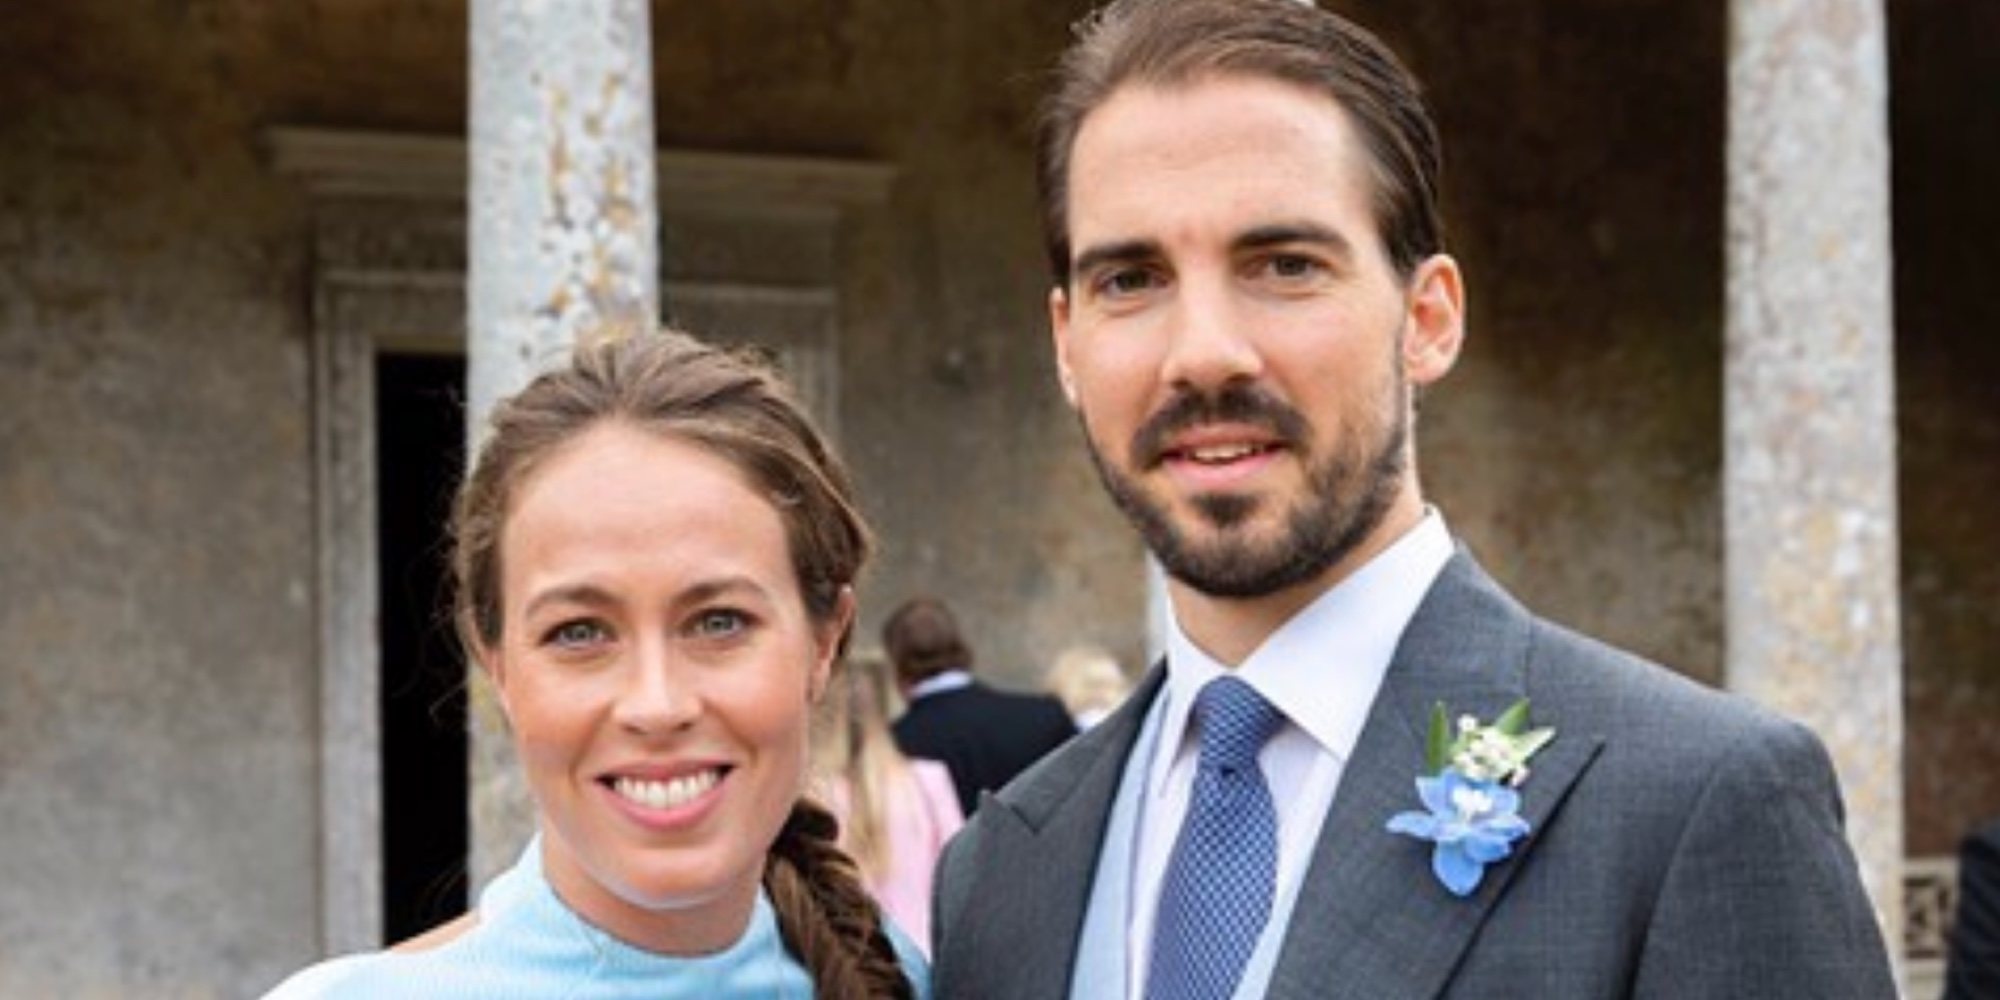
{"points": [[939, 683], [1322, 667]]}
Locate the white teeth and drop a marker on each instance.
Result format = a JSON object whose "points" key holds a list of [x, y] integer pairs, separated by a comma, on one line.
{"points": [[1222, 452], [667, 794]]}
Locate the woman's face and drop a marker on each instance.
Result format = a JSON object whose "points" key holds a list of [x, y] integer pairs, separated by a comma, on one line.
{"points": [[657, 665]]}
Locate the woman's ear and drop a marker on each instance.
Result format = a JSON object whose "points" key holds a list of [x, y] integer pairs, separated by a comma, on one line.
{"points": [[1436, 322], [493, 665], [832, 636]]}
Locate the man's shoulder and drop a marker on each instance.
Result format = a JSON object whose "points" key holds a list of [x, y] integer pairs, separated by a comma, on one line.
{"points": [[1656, 719], [1040, 703], [986, 701], [1983, 840]]}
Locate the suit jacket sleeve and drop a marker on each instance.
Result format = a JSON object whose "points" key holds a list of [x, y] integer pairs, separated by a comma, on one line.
{"points": [[948, 886], [1975, 934], [1761, 897]]}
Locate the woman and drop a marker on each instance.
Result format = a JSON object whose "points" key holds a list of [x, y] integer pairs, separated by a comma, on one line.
{"points": [[895, 812], [654, 559]]}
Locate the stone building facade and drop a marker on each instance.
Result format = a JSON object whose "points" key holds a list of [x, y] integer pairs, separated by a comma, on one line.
{"points": [[215, 215]]}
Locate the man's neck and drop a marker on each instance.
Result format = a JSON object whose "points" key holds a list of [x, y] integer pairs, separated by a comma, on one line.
{"points": [[1231, 628]]}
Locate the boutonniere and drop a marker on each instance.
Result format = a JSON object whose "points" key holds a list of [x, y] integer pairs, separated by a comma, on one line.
{"points": [[1472, 811]]}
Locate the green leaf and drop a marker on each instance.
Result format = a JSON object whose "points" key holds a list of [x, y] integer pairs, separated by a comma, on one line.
{"points": [[1437, 751], [1534, 741], [1514, 720]]}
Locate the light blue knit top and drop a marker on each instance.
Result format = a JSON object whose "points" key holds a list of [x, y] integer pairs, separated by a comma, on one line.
{"points": [[529, 945]]}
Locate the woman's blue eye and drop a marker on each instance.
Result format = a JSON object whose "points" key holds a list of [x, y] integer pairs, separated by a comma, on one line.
{"points": [[719, 623], [576, 633]]}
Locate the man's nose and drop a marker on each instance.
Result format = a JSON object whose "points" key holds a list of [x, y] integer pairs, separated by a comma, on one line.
{"points": [[657, 696], [1209, 343]]}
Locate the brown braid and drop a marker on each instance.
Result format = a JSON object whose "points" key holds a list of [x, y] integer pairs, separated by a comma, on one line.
{"points": [[825, 915]]}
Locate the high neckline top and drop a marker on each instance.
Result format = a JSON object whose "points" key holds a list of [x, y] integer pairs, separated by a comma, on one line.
{"points": [[529, 944]]}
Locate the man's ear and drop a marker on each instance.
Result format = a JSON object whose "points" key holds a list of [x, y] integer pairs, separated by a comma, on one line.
{"points": [[1059, 331], [831, 638], [1435, 325]]}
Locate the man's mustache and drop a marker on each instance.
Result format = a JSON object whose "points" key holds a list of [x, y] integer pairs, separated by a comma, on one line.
{"points": [[1233, 404]]}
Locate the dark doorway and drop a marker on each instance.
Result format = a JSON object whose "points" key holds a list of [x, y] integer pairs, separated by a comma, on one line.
{"points": [[419, 447]]}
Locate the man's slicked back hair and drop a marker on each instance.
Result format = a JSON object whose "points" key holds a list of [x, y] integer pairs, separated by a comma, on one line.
{"points": [[1171, 43]]}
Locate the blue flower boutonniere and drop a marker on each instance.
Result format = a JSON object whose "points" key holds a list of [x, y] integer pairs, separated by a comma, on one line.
{"points": [[1472, 811]]}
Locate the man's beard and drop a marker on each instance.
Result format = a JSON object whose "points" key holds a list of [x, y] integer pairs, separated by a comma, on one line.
{"points": [[1346, 496]]}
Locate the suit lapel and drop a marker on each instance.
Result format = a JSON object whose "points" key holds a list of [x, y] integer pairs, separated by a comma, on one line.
{"points": [[1371, 919], [1041, 839]]}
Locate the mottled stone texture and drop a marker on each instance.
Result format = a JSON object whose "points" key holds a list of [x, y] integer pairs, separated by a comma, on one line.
{"points": [[157, 686], [157, 675], [1809, 495], [563, 236]]}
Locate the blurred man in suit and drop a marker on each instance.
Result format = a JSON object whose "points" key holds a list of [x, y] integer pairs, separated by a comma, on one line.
{"points": [[984, 736], [1250, 289], [1973, 969]]}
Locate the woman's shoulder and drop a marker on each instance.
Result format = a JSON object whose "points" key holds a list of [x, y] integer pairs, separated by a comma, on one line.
{"points": [[915, 968], [334, 977], [362, 974]]}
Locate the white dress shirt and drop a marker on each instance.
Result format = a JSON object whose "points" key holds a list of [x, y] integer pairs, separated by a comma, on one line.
{"points": [[1321, 669]]}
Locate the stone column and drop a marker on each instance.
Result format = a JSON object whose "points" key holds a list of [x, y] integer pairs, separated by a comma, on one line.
{"points": [[1810, 469], [563, 234]]}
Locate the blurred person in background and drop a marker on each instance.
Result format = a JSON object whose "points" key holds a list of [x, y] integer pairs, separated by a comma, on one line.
{"points": [[1973, 972], [895, 813], [1089, 682], [983, 735]]}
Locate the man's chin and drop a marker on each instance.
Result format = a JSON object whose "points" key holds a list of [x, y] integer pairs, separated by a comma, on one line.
{"points": [[1228, 563]]}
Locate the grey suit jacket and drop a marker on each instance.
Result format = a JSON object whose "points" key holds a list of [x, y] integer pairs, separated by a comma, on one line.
{"points": [[1685, 843]]}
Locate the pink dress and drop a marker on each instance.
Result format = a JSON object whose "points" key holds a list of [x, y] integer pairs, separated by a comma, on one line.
{"points": [[923, 813]]}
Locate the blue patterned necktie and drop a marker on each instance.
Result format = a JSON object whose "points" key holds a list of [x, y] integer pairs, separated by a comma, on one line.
{"points": [[1216, 895]]}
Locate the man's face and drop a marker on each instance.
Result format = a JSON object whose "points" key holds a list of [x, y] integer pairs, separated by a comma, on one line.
{"points": [[1233, 336]]}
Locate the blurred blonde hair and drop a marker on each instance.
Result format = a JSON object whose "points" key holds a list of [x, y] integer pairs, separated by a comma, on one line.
{"points": [[854, 748], [1088, 679]]}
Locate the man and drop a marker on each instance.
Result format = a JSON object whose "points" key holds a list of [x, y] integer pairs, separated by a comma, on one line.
{"points": [[984, 736], [1250, 288]]}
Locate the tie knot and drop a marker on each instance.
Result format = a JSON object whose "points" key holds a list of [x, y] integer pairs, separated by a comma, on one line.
{"points": [[1234, 722]]}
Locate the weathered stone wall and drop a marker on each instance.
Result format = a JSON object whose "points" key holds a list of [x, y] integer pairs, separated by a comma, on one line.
{"points": [[1946, 153], [1578, 446], [156, 673], [968, 461]]}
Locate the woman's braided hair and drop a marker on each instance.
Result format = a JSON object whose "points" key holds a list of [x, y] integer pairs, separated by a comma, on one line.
{"points": [[825, 915], [733, 404]]}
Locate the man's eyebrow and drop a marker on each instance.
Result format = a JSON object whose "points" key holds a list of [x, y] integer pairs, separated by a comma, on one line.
{"points": [[1122, 251], [1282, 233]]}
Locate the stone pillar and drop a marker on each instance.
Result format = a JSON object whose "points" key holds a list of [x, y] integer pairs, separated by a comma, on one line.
{"points": [[1810, 468], [563, 234]]}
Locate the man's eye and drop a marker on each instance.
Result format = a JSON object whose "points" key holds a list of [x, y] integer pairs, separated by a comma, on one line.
{"points": [[1286, 265], [576, 634], [720, 623], [1126, 281]]}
